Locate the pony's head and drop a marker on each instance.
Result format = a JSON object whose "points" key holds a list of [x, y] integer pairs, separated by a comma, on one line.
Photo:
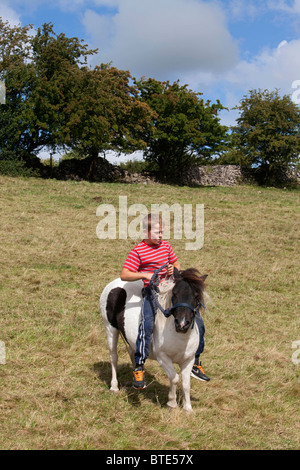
{"points": [[187, 297]]}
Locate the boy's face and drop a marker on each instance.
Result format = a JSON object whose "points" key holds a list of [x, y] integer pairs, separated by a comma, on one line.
{"points": [[154, 236]]}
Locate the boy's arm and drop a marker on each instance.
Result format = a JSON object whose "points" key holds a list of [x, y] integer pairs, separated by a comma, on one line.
{"points": [[127, 275]]}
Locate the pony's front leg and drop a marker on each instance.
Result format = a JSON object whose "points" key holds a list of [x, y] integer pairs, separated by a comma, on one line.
{"points": [[112, 341], [168, 367], [186, 368]]}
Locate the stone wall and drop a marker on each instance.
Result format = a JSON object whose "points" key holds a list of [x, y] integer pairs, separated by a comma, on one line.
{"points": [[217, 175], [144, 178], [100, 170], [231, 175]]}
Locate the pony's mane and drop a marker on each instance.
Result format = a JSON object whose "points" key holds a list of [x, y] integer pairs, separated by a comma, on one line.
{"points": [[195, 280], [190, 275]]}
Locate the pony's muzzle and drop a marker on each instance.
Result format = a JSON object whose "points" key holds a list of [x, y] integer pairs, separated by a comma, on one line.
{"points": [[182, 325]]}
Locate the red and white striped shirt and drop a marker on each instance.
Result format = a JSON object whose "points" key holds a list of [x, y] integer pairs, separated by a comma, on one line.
{"points": [[146, 258]]}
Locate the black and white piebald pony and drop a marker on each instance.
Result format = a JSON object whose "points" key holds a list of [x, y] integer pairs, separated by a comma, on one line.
{"points": [[175, 336]]}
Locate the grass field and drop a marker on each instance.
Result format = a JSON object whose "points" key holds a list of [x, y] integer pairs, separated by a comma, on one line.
{"points": [[54, 387]]}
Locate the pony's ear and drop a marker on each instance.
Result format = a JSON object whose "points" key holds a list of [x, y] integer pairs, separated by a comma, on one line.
{"points": [[204, 277], [176, 274]]}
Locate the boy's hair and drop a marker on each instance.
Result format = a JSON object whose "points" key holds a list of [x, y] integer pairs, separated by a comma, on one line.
{"points": [[150, 220]]}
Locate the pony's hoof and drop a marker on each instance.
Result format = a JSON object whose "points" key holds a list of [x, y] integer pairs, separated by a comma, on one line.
{"points": [[171, 405], [189, 410]]}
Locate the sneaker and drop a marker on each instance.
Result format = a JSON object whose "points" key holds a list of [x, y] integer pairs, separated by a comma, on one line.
{"points": [[138, 378], [198, 373]]}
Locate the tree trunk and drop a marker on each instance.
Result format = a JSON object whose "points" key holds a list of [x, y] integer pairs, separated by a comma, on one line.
{"points": [[92, 168]]}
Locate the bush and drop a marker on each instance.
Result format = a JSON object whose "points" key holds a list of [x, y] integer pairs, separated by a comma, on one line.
{"points": [[13, 167], [135, 166]]}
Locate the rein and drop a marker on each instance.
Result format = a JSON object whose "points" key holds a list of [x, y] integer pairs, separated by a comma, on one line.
{"points": [[169, 311]]}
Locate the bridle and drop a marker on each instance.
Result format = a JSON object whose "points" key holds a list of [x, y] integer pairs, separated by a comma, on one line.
{"points": [[183, 304]]}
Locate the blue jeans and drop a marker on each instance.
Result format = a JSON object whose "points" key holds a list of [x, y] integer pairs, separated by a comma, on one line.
{"points": [[143, 342], [201, 329]]}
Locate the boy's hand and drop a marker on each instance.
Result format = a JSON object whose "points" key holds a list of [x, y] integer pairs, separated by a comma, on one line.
{"points": [[147, 276], [170, 270]]}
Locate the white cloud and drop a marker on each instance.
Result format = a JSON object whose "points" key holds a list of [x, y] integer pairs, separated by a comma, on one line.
{"points": [[275, 68], [107, 3], [239, 10], [70, 5], [272, 69], [242, 9], [8, 14], [282, 5], [162, 39]]}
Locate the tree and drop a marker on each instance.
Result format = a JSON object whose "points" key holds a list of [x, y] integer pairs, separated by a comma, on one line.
{"points": [[107, 114], [55, 100], [39, 73], [16, 72], [58, 61], [184, 129], [267, 132]]}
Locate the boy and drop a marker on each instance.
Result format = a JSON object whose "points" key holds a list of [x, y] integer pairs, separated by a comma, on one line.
{"points": [[150, 254]]}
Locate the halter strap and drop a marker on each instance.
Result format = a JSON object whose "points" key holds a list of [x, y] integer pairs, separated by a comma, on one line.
{"points": [[183, 304]]}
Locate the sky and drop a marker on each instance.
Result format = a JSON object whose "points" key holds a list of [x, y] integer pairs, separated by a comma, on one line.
{"points": [[222, 49]]}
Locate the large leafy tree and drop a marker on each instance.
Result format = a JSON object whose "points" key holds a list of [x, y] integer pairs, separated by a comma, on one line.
{"points": [[39, 72], [54, 99], [16, 71], [107, 114], [57, 64], [267, 134], [184, 129]]}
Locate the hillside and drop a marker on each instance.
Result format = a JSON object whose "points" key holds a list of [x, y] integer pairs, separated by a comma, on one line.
{"points": [[54, 391]]}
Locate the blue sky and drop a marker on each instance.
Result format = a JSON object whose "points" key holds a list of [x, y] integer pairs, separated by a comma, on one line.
{"points": [[220, 48]]}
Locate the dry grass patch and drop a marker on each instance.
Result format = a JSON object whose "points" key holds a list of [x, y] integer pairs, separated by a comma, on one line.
{"points": [[54, 388]]}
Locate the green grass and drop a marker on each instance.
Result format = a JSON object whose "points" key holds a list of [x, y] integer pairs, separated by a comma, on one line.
{"points": [[54, 387]]}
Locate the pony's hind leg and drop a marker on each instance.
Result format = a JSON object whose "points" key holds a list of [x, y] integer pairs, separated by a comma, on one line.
{"points": [[131, 353], [112, 341]]}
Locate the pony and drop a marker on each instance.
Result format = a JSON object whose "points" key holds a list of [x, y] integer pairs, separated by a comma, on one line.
{"points": [[175, 336]]}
